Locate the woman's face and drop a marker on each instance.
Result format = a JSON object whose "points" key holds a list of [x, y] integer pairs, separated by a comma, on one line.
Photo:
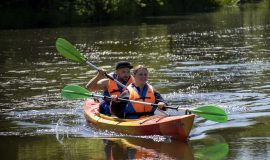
{"points": [[141, 76]]}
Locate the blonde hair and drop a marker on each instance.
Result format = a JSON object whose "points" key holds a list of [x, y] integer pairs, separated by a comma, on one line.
{"points": [[138, 67]]}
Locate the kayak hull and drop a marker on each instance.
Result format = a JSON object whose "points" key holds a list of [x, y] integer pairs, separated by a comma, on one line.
{"points": [[177, 127]]}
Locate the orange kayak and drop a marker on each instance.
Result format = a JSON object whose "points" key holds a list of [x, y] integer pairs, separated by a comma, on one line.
{"points": [[177, 127]]}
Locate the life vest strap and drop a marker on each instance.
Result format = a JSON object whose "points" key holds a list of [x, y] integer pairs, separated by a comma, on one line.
{"points": [[115, 90], [142, 98]]}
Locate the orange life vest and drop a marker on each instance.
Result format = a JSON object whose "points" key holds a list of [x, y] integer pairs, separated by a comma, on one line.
{"points": [[147, 95], [114, 88]]}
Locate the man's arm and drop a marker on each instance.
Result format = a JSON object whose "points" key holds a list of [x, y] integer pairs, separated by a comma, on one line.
{"points": [[118, 107], [97, 83]]}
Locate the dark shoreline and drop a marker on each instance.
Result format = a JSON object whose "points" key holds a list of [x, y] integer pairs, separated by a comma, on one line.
{"points": [[23, 14]]}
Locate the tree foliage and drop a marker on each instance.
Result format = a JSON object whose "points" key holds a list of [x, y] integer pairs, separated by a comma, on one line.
{"points": [[58, 12]]}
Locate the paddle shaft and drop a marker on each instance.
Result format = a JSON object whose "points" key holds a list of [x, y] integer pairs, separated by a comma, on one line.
{"points": [[156, 105], [210, 112], [178, 109], [127, 100], [195, 111], [108, 76], [66, 49], [138, 102], [144, 103]]}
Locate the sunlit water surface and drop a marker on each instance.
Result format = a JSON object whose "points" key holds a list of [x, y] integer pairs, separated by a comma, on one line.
{"points": [[205, 58]]}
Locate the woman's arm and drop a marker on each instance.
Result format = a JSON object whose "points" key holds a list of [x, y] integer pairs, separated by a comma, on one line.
{"points": [[160, 101]]}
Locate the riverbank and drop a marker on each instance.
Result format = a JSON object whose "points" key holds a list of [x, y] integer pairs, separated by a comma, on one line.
{"points": [[16, 14]]}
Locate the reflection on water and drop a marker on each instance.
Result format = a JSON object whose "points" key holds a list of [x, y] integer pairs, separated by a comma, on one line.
{"points": [[143, 148], [197, 59], [212, 147], [132, 148], [39, 147]]}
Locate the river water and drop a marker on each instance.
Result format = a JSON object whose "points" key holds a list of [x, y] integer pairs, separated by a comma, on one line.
{"points": [[220, 57]]}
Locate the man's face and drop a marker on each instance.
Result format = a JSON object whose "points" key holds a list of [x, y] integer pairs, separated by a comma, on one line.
{"points": [[123, 74]]}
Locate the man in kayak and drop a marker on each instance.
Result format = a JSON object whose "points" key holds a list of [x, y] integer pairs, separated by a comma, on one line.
{"points": [[139, 90], [110, 87]]}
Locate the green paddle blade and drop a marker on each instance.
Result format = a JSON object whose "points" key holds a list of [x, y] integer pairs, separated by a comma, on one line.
{"points": [[75, 92], [211, 112], [67, 50]]}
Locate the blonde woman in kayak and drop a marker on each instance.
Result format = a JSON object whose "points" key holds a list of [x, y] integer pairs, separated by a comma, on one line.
{"points": [[139, 90]]}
